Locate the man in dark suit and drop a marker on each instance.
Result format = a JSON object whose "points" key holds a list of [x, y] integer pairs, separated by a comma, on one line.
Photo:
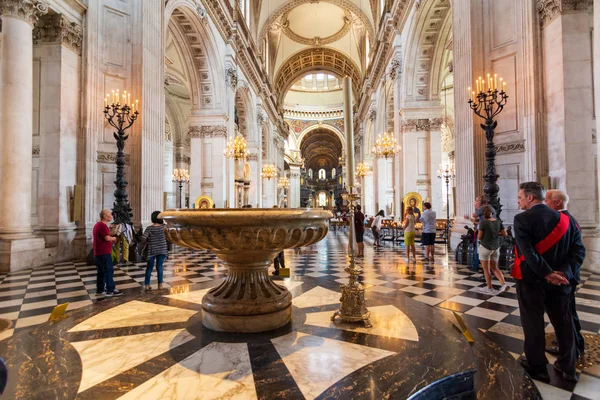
{"points": [[558, 200], [547, 248]]}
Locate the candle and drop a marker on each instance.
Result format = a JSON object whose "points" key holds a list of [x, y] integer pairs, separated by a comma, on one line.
{"points": [[136, 105], [495, 83], [349, 128], [113, 96], [128, 98], [477, 84], [105, 102], [474, 97]]}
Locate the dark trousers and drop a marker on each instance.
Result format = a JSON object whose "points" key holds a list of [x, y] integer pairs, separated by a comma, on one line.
{"points": [[534, 298], [579, 342], [279, 261], [104, 273]]}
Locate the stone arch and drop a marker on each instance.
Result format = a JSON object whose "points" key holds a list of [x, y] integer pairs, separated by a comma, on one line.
{"points": [[431, 22], [312, 59], [311, 128], [194, 29], [245, 113]]}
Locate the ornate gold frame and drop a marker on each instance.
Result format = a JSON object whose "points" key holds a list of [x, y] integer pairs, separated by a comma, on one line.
{"points": [[205, 201]]}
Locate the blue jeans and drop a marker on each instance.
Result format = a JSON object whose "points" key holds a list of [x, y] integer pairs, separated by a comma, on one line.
{"points": [[104, 273], [160, 259]]}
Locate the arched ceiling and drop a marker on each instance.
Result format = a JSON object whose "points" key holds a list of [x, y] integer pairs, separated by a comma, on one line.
{"points": [[315, 59], [294, 35], [321, 148]]}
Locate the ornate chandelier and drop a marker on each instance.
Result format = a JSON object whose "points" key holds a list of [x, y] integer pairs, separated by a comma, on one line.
{"points": [[269, 171], [283, 183], [385, 146], [363, 169], [236, 148], [181, 175]]}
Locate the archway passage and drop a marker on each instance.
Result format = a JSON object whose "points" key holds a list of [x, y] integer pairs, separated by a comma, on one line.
{"points": [[321, 149]]}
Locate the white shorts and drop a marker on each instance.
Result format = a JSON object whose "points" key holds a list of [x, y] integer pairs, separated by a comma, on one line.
{"points": [[488, 255]]}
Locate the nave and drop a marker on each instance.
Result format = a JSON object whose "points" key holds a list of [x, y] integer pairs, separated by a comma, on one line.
{"points": [[154, 346]]}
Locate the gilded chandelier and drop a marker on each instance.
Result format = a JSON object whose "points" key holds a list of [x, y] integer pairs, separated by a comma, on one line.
{"points": [[386, 146], [236, 148], [283, 183], [268, 171], [363, 169]]}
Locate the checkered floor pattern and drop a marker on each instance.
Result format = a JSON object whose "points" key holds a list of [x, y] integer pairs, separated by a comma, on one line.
{"points": [[28, 297]]}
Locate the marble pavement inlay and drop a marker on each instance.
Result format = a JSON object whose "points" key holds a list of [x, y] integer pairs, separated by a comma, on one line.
{"points": [[317, 363], [387, 321], [218, 371], [316, 297]]}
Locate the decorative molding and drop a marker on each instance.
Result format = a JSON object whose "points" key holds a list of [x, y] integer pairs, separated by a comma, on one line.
{"points": [[231, 77], [252, 157], [57, 28], [35, 151], [395, 68], [549, 10], [202, 14], [27, 10], [295, 175], [183, 158], [372, 114], [423, 182], [417, 124], [594, 137], [106, 157], [195, 131], [509, 148], [435, 123], [168, 133], [207, 185]]}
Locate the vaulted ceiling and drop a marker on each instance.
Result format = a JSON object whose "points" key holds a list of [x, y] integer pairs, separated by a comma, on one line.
{"points": [[321, 148], [301, 36]]}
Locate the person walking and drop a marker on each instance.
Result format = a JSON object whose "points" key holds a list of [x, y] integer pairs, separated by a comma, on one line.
{"points": [[409, 234], [102, 243], [359, 228], [157, 250], [558, 201], [547, 248], [428, 234], [376, 227], [279, 261], [490, 230]]}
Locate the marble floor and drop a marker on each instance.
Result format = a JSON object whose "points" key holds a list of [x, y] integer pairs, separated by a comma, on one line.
{"points": [[153, 345]]}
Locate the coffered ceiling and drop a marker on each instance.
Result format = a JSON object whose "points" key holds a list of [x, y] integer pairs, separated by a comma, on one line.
{"points": [[321, 148]]}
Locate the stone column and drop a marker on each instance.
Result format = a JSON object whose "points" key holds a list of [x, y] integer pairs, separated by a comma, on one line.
{"points": [[17, 246], [294, 191], [569, 97]]}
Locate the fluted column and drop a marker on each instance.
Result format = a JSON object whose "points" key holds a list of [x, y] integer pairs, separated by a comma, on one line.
{"points": [[294, 191], [16, 115]]}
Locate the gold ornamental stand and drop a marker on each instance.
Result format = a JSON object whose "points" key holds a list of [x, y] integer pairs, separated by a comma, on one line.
{"points": [[352, 303]]}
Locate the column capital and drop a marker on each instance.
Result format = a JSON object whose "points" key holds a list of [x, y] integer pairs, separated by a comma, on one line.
{"points": [[549, 10], [27, 10], [58, 28]]}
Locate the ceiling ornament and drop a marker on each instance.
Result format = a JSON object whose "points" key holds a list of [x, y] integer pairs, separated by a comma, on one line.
{"points": [[351, 9], [316, 41], [310, 59]]}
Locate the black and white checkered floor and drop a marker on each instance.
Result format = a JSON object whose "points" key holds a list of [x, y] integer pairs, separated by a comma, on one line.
{"points": [[28, 297]]}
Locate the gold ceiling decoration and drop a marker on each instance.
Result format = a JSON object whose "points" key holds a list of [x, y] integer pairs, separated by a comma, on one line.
{"points": [[313, 59], [321, 148]]}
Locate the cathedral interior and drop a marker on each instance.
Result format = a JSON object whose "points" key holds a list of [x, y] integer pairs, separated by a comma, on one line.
{"points": [[255, 128]]}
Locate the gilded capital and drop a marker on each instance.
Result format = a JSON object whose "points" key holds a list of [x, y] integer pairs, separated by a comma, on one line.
{"points": [[57, 28], [27, 10]]}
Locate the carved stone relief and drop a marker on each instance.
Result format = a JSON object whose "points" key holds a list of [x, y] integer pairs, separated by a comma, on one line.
{"points": [[57, 28], [105, 157], [195, 131]]}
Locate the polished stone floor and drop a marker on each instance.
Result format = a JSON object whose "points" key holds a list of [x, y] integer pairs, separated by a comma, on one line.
{"points": [[153, 346]]}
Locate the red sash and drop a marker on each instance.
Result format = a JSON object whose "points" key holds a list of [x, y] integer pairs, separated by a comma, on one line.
{"points": [[544, 245]]}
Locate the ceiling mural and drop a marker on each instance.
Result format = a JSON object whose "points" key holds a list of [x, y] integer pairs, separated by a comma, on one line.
{"points": [[299, 125]]}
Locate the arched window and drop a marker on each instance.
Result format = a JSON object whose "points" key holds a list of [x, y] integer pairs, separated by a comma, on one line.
{"points": [[333, 173], [322, 174], [322, 198], [310, 173]]}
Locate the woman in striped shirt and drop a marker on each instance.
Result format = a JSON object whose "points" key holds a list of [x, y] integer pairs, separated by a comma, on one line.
{"points": [[157, 250]]}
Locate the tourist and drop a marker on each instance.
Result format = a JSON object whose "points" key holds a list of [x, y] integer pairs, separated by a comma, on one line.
{"points": [[428, 234], [409, 234], [359, 228], [376, 227], [558, 201], [547, 248], [490, 230], [157, 250], [102, 243], [476, 217]]}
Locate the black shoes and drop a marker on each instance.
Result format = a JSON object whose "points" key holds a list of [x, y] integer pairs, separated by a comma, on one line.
{"points": [[276, 272], [566, 376], [540, 373], [552, 350]]}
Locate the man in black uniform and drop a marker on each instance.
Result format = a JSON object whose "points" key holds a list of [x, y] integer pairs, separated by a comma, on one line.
{"points": [[558, 200], [547, 247]]}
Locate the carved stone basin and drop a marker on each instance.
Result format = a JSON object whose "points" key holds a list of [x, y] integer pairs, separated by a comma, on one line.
{"points": [[247, 241]]}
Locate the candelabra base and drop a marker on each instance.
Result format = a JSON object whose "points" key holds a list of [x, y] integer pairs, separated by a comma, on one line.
{"points": [[352, 305]]}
